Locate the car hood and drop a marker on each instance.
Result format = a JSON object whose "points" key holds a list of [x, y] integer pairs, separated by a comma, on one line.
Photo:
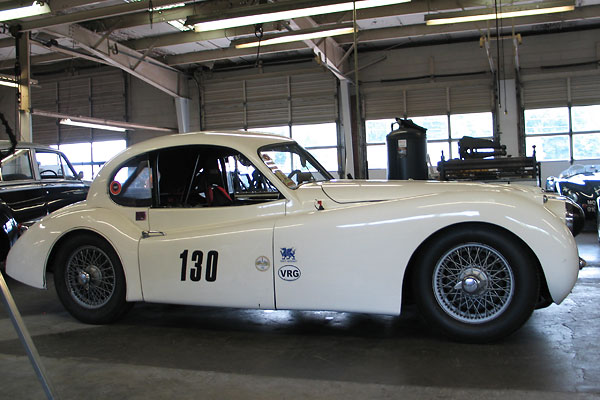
{"points": [[355, 191]]}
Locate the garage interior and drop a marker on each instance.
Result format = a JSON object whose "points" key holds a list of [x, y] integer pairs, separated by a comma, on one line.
{"points": [[150, 68]]}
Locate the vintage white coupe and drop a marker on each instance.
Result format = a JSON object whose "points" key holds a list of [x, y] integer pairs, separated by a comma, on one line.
{"points": [[254, 221]]}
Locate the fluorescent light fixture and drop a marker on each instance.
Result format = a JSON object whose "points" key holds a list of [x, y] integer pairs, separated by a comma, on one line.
{"points": [[19, 11], [295, 37], [488, 14], [8, 82], [68, 121], [205, 24]]}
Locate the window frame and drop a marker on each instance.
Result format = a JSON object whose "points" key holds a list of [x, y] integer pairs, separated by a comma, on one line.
{"points": [[449, 140], [569, 135]]}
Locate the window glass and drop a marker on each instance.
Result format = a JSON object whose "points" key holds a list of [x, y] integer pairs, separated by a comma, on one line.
{"points": [[586, 146], [377, 156], [435, 149], [317, 135], [132, 184], [16, 166], [547, 120], [77, 152], [437, 126], [66, 168], [377, 129], [472, 124], [326, 157], [548, 147], [52, 166], [209, 176], [586, 118], [293, 165], [104, 151]]}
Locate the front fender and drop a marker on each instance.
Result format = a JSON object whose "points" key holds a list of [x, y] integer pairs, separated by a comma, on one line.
{"points": [[544, 232], [28, 260]]}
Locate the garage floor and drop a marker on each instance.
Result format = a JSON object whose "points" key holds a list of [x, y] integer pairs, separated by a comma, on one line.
{"points": [[173, 352]]}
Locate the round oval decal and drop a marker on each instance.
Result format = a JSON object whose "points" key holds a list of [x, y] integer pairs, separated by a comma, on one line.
{"points": [[289, 272]]}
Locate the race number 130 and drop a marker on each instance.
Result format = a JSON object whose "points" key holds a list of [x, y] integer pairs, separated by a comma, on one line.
{"points": [[195, 271]]}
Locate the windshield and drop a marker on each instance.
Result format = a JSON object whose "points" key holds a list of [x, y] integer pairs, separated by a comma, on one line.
{"points": [[292, 164], [579, 169]]}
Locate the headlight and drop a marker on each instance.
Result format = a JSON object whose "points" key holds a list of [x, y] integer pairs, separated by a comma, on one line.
{"points": [[574, 216]]}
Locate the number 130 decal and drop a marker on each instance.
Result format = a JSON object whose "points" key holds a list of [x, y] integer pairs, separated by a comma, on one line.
{"points": [[196, 271]]}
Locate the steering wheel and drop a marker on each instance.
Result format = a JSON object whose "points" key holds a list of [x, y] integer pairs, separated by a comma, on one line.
{"points": [[294, 173], [48, 170]]}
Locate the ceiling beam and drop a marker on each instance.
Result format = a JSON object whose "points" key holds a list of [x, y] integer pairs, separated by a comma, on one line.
{"points": [[89, 15], [420, 30], [327, 50], [192, 37], [232, 52], [148, 70]]}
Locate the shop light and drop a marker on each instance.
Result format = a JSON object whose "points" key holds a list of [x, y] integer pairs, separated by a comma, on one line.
{"points": [[296, 36], [8, 82], [280, 12], [69, 121], [490, 14], [15, 9]]}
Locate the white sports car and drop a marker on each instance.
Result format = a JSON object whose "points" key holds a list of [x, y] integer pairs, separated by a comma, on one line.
{"points": [[253, 221]]}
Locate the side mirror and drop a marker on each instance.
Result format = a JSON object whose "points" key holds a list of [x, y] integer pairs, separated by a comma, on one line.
{"points": [[80, 175]]}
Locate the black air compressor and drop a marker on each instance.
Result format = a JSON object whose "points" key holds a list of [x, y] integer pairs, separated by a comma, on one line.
{"points": [[407, 151]]}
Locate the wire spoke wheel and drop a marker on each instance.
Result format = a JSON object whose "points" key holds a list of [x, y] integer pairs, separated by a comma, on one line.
{"points": [[90, 277], [473, 283]]}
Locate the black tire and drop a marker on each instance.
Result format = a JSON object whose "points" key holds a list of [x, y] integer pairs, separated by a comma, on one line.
{"points": [[89, 280], [476, 284]]}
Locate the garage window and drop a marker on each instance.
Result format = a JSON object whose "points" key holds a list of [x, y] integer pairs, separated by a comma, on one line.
{"points": [[443, 133], [563, 133], [89, 157]]}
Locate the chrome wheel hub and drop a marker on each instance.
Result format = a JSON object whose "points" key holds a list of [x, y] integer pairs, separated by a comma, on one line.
{"points": [[473, 283]]}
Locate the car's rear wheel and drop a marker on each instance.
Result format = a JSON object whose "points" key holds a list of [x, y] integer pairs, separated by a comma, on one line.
{"points": [[476, 284], [89, 280]]}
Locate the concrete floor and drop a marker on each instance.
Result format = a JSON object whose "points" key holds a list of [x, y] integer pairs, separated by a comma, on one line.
{"points": [[175, 352]]}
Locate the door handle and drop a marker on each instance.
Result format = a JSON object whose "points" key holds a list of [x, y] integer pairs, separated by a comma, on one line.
{"points": [[147, 234]]}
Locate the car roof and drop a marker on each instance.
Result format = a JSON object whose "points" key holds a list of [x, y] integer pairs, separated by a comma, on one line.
{"points": [[6, 144]]}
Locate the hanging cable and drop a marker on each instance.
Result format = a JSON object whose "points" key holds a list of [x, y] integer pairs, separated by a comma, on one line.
{"points": [[497, 55], [259, 33]]}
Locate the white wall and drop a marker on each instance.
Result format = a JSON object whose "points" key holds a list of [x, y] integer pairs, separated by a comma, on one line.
{"points": [[151, 106]]}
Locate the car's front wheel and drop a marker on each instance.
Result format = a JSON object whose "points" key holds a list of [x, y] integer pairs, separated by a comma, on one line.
{"points": [[476, 284], [89, 280]]}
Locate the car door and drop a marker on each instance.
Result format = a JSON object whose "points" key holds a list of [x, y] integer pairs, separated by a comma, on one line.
{"points": [[208, 243], [19, 189], [61, 185]]}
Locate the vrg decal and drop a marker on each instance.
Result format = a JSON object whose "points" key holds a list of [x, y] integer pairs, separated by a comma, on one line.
{"points": [[196, 271], [289, 273]]}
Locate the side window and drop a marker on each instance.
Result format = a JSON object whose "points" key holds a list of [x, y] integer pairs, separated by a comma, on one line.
{"points": [[53, 165], [16, 166], [209, 176], [132, 184]]}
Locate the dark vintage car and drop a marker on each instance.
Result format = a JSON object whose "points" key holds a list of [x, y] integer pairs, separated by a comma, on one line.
{"points": [[34, 181], [580, 183]]}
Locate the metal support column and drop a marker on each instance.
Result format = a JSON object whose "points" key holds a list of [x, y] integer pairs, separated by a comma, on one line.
{"points": [[22, 47], [346, 119], [182, 106]]}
